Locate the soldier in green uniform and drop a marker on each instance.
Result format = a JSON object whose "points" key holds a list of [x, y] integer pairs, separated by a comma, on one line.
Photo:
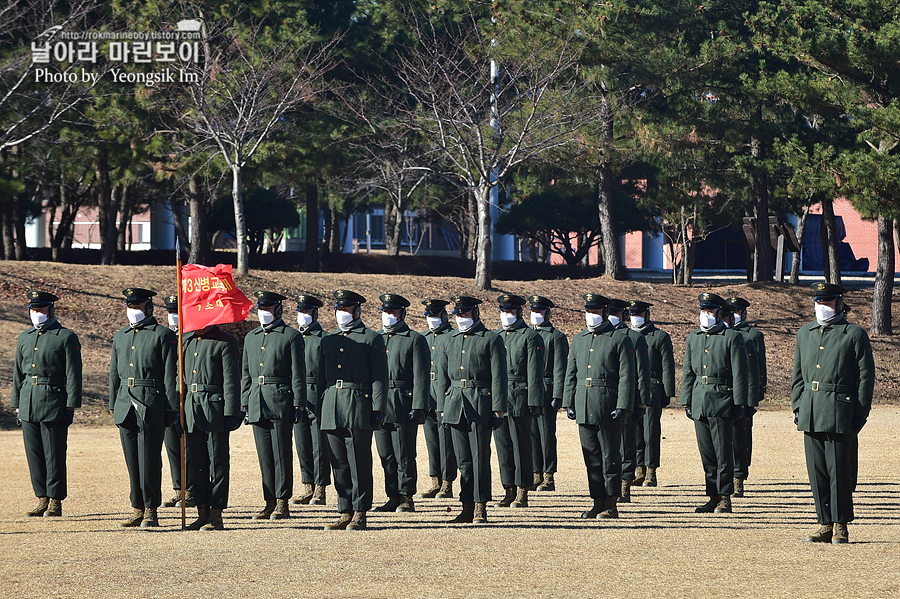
{"points": [[599, 396], [739, 435], [618, 316], [353, 395], [543, 428], [172, 439], [409, 382], [525, 398], [714, 392], [441, 459], [471, 391], [831, 395], [743, 431], [273, 393], [310, 441], [46, 389], [662, 387], [212, 409], [144, 399]]}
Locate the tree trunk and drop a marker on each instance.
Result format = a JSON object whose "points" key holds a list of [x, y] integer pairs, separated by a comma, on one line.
{"points": [[795, 263], [18, 217], [104, 197], [345, 233], [9, 246], [326, 230], [334, 242], [472, 226], [763, 267], [111, 231], [393, 225], [829, 243], [125, 219], [884, 279], [199, 250], [483, 256], [609, 238], [311, 255], [240, 223]]}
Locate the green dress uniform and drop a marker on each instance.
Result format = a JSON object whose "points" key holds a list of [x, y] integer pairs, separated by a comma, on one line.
{"points": [[759, 342], [525, 398], [438, 440], [831, 395], [739, 434], [273, 387], [714, 381], [471, 385], [143, 385], [543, 428], [642, 388], [46, 383], [172, 438], [212, 380], [662, 387], [409, 389], [599, 381], [311, 443], [352, 384]]}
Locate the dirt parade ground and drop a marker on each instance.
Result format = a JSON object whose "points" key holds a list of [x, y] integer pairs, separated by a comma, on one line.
{"points": [[657, 548]]}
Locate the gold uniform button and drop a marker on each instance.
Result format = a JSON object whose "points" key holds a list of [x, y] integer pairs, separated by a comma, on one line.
{"points": [[260, 363], [196, 354], [592, 349], [33, 366], [820, 347], [341, 349], [432, 347], [132, 347], [465, 336], [262, 348], [35, 349], [339, 365], [704, 365], [132, 365], [706, 350], [818, 365], [387, 351], [195, 372], [463, 351], [589, 365], [462, 367]]}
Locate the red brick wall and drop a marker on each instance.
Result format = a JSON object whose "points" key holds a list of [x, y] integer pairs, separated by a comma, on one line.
{"points": [[861, 235]]}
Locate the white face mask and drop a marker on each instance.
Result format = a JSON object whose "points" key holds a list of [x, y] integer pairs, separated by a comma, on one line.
{"points": [[464, 324], [593, 320], [824, 312], [342, 317], [537, 319], [737, 318], [173, 320], [388, 320], [637, 321], [265, 317], [615, 320], [304, 320], [37, 318], [433, 322], [134, 315], [707, 320], [508, 319]]}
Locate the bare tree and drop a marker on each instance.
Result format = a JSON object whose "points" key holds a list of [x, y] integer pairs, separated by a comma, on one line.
{"points": [[481, 108], [246, 88]]}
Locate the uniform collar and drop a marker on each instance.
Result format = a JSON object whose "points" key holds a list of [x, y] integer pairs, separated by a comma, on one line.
{"points": [[401, 328], [742, 325], [445, 326], [147, 323], [51, 325], [840, 324], [717, 329], [517, 325], [213, 332], [313, 328], [544, 326], [477, 329], [276, 327], [605, 327]]}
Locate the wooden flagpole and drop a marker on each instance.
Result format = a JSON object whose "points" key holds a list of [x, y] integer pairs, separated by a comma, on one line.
{"points": [[181, 381]]}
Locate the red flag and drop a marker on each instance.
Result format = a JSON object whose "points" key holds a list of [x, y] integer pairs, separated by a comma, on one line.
{"points": [[209, 296]]}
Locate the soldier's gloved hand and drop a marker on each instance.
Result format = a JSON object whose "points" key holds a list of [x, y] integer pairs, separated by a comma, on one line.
{"points": [[796, 417], [749, 411], [497, 421], [18, 420], [172, 416], [68, 417], [858, 423], [570, 413], [245, 415], [232, 423], [416, 416], [534, 411], [299, 415], [618, 414], [638, 413], [555, 404], [688, 413], [737, 412], [376, 419]]}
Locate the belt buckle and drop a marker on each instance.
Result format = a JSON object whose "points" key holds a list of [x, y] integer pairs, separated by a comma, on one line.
{"points": [[589, 382], [434, 376], [193, 387], [131, 381], [262, 380], [34, 379], [704, 380], [815, 385], [463, 383], [339, 384]]}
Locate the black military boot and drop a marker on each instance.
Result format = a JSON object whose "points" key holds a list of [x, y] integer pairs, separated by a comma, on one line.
{"points": [[708, 507], [391, 504], [480, 516], [823, 535], [599, 502], [215, 520], [508, 498], [433, 490], [466, 515], [202, 517], [408, 505], [358, 522], [43, 503]]}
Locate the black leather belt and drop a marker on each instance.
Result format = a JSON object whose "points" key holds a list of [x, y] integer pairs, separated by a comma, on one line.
{"points": [[473, 384], [46, 380], [594, 381], [273, 380], [133, 382], [714, 380], [400, 384], [342, 384], [200, 387], [817, 386], [516, 379]]}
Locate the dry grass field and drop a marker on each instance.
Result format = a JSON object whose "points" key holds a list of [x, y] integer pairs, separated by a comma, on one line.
{"points": [[657, 548]]}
